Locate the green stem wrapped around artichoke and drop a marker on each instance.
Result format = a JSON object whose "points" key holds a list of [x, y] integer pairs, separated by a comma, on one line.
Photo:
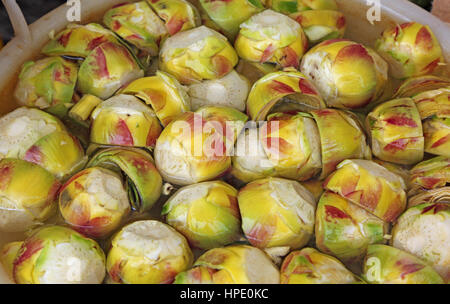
{"points": [[273, 38], [56, 255], [148, 252], [143, 181], [207, 214], [40, 138], [239, 264]]}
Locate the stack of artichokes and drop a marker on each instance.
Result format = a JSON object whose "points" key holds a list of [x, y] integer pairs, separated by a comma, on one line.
{"points": [[239, 141]]}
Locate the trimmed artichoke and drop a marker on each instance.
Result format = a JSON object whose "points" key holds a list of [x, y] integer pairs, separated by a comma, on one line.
{"points": [[197, 147], [40, 138], [293, 6], [106, 69], [396, 132], [148, 252], [309, 266], [437, 195], [424, 231], [388, 265], [48, 83], [415, 85], [336, 127], [277, 213], [433, 103], [431, 174], [178, 15], [436, 132], [94, 202], [164, 93], [344, 230], [240, 264], [27, 195], [197, 55], [321, 25], [288, 88], [370, 186], [124, 120], [228, 15], [273, 38], [7, 256], [207, 214], [250, 161], [231, 91], [411, 50], [292, 144], [59, 255], [78, 40], [347, 74], [138, 25], [143, 181]]}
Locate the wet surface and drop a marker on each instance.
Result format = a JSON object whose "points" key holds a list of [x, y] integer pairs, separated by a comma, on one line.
{"points": [[33, 10]]}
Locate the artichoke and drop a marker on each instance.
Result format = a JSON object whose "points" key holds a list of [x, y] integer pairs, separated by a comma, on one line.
{"points": [[197, 55], [388, 265], [370, 186], [27, 195], [143, 181], [424, 230], [94, 202], [292, 144], [273, 38], [178, 15], [411, 50], [321, 25], [347, 74], [138, 25], [106, 69], [250, 161], [431, 174], [277, 213], [293, 6], [148, 252], [335, 128], [309, 266], [40, 138], [207, 214], [344, 230], [78, 40], [433, 103], [436, 132], [415, 85], [396, 132], [289, 88], [48, 83], [58, 255], [228, 15], [164, 93], [239, 264], [124, 120], [197, 147], [231, 91], [7, 256], [437, 195]]}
